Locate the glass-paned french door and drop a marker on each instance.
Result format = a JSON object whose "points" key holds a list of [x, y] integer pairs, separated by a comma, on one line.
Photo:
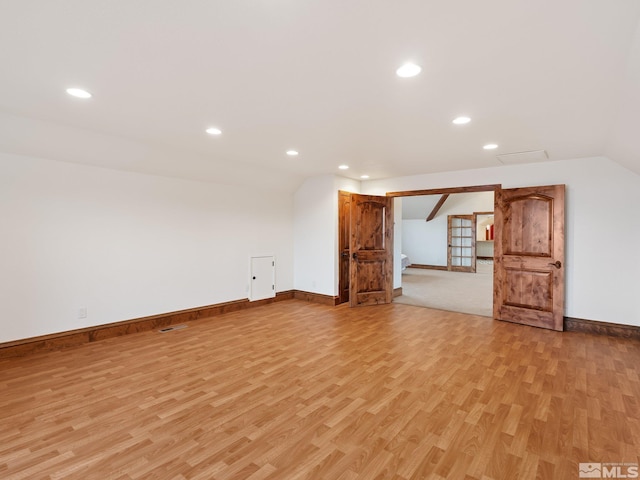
{"points": [[461, 253]]}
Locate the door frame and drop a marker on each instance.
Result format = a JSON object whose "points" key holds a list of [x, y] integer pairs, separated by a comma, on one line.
{"points": [[443, 191], [344, 238], [497, 210], [433, 191], [495, 188]]}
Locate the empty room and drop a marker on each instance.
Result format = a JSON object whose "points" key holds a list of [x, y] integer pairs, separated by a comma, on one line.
{"points": [[215, 260]]}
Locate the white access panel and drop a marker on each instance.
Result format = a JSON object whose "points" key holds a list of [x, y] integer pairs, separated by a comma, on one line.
{"points": [[262, 279]]}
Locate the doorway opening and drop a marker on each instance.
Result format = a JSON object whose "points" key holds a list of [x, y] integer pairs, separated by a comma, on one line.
{"points": [[453, 247], [528, 270], [447, 251]]}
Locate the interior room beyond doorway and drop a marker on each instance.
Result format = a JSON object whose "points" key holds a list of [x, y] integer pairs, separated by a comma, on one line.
{"points": [[447, 251]]}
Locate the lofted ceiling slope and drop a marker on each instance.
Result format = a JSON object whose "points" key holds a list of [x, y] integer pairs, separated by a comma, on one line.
{"points": [[318, 77]]}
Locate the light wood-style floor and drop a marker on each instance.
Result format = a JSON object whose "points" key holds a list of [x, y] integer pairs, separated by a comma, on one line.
{"points": [[296, 390]]}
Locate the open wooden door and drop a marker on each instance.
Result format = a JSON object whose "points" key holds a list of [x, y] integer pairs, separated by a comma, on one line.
{"points": [[344, 238], [529, 256], [371, 247], [461, 248]]}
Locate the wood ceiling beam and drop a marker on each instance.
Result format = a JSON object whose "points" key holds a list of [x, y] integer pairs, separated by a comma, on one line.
{"points": [[438, 206]]}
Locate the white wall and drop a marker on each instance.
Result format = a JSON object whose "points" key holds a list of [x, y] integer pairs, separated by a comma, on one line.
{"points": [[315, 249], [423, 242], [316, 234], [426, 242], [602, 227], [126, 245]]}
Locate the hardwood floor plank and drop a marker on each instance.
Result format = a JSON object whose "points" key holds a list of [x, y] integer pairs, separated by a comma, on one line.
{"points": [[298, 390]]}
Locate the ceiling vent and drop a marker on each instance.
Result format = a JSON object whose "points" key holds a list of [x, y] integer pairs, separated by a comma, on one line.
{"points": [[516, 158], [172, 328]]}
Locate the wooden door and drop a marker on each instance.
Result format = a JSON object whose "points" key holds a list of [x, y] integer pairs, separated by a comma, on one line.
{"points": [[371, 247], [461, 237], [529, 256], [344, 218]]}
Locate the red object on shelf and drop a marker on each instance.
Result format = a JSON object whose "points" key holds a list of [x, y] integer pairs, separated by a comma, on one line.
{"points": [[491, 233]]}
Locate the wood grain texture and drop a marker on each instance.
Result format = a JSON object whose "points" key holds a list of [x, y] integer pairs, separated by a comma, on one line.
{"points": [[601, 328], [529, 279], [444, 191], [437, 207], [344, 238], [70, 338], [429, 267], [316, 297], [371, 248], [306, 391]]}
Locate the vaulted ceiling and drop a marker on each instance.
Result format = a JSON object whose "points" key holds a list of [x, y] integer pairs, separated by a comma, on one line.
{"points": [[318, 77]]}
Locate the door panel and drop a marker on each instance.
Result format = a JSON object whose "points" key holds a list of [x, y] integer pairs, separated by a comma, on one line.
{"points": [[344, 202], [529, 256], [529, 231], [530, 289], [263, 272], [371, 247], [461, 249]]}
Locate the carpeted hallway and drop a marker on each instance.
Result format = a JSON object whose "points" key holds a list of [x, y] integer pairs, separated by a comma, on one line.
{"points": [[453, 291]]}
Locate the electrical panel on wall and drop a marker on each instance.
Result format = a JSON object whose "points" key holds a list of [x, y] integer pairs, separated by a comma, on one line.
{"points": [[262, 278]]}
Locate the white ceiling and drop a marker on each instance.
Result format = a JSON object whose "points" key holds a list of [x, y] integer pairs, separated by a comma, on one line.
{"points": [[419, 207], [319, 77]]}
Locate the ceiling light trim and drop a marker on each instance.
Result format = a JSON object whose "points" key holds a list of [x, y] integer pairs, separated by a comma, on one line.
{"points": [[79, 92], [461, 120], [408, 70]]}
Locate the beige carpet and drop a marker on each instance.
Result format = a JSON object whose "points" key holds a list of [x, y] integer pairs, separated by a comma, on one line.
{"points": [[453, 291]]}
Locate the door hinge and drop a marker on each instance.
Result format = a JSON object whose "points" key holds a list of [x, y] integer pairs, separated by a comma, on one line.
{"points": [[273, 264], [273, 287]]}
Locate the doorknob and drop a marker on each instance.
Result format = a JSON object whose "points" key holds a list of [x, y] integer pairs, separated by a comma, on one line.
{"points": [[557, 264], [355, 256], [344, 255]]}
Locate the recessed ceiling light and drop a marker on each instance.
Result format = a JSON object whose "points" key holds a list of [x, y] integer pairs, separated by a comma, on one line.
{"points": [[461, 120], [213, 131], [490, 146], [78, 92], [364, 176], [408, 70], [292, 153], [344, 167]]}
